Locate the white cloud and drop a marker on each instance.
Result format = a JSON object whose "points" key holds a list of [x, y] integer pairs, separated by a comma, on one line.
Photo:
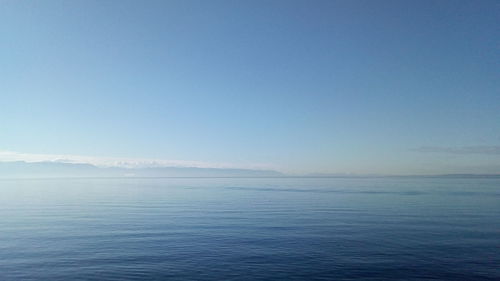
{"points": [[7, 156]]}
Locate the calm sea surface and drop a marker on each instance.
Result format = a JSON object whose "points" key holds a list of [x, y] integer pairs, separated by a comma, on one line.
{"points": [[250, 229]]}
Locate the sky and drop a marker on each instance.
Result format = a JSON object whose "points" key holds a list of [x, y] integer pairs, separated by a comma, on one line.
{"points": [[358, 87]]}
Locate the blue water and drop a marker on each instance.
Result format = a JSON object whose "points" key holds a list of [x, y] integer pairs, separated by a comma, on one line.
{"points": [[250, 229]]}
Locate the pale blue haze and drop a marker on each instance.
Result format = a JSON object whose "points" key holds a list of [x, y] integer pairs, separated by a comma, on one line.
{"points": [[391, 87]]}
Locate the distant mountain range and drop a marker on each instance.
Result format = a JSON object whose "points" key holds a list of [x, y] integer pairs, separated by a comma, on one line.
{"points": [[20, 169]]}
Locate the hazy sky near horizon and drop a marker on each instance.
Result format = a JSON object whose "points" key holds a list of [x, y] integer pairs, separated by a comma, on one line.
{"points": [[393, 87]]}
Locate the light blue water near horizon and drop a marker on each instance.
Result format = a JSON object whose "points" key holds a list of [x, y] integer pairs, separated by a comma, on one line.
{"points": [[250, 229]]}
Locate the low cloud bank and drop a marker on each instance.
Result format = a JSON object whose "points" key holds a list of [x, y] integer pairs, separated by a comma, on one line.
{"points": [[480, 149], [132, 163]]}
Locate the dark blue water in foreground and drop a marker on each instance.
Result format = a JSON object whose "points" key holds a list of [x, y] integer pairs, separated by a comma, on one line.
{"points": [[250, 229]]}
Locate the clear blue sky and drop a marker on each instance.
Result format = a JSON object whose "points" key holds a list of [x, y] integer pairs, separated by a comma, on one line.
{"points": [[307, 86]]}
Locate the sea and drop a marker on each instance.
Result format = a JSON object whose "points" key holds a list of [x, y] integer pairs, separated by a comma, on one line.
{"points": [[371, 228]]}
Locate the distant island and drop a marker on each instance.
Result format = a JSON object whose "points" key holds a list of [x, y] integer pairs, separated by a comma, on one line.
{"points": [[21, 169]]}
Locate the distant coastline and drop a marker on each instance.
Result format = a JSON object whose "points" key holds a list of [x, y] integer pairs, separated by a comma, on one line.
{"points": [[21, 169]]}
